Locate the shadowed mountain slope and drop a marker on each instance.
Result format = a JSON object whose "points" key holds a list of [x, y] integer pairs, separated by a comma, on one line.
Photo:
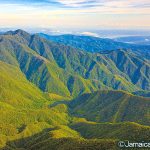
{"points": [[43, 61], [16, 90], [128, 130], [129, 62], [112, 106], [92, 44], [39, 78]]}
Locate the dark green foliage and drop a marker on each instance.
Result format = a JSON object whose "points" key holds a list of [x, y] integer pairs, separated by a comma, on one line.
{"points": [[112, 106], [38, 79], [92, 44], [142, 40], [133, 66], [16, 90], [120, 131], [43, 141], [142, 93], [43, 62]]}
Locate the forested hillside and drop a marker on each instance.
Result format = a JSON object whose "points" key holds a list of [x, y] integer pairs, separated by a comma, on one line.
{"points": [[54, 96]]}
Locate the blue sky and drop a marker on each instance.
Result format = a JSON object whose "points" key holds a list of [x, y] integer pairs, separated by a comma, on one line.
{"points": [[93, 14]]}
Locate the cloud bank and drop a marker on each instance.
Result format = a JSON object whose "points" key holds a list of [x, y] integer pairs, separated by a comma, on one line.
{"points": [[76, 13]]}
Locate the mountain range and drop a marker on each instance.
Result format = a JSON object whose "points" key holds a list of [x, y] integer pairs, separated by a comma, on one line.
{"points": [[96, 44], [58, 92], [142, 40]]}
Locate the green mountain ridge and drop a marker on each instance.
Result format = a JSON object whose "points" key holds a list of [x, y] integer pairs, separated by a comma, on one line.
{"points": [[101, 69], [95, 44], [16, 90], [57, 97], [122, 107], [124, 131]]}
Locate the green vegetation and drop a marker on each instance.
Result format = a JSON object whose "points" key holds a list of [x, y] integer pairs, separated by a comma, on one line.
{"points": [[112, 106], [50, 98], [92, 44], [124, 131], [16, 90], [66, 71]]}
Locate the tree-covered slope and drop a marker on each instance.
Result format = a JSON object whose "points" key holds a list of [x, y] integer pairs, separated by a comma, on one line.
{"points": [[24, 109], [45, 63], [112, 106], [16, 90], [42, 141], [92, 44], [133, 65], [129, 63], [95, 140], [123, 131], [140, 40], [45, 73], [38, 80]]}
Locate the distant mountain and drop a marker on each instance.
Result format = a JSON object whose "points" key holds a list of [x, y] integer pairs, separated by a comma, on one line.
{"points": [[93, 44], [46, 87], [140, 40], [45, 63], [45, 73]]}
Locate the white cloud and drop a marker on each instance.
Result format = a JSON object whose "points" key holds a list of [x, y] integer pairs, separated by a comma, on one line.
{"points": [[90, 34], [107, 3], [71, 2], [78, 13], [79, 3]]}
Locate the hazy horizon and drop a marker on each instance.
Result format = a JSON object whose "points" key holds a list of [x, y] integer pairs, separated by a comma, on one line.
{"points": [[75, 14], [102, 33]]}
